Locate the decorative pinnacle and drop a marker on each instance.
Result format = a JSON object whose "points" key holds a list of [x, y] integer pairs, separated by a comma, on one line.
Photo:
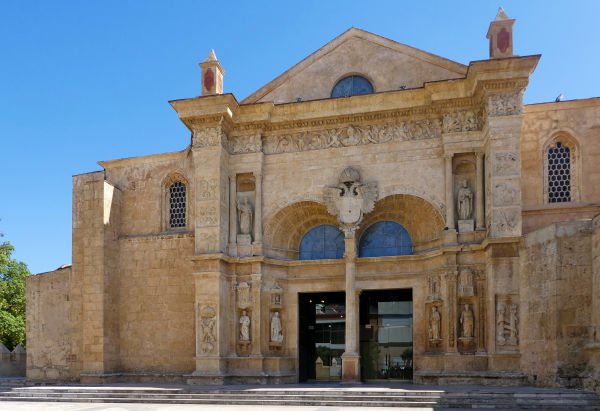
{"points": [[501, 15], [213, 57]]}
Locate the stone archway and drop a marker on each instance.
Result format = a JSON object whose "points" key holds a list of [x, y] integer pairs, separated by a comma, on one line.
{"points": [[284, 231], [421, 219]]}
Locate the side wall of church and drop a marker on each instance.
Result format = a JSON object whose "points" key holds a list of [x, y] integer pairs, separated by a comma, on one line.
{"points": [[556, 280], [577, 121], [53, 327], [157, 304]]}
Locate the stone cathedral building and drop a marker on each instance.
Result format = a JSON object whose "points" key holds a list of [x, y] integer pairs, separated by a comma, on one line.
{"points": [[375, 212]]}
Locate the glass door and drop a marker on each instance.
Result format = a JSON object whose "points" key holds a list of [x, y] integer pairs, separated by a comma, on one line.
{"points": [[386, 334], [322, 335]]}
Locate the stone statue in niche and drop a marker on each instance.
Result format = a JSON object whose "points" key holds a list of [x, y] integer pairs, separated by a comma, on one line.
{"points": [[244, 326], [466, 283], [243, 295], [208, 318], [244, 209], [507, 331], [435, 321], [467, 321], [350, 199], [276, 329], [465, 201]]}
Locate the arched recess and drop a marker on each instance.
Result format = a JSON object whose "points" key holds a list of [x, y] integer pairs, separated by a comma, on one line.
{"points": [[284, 231], [420, 218], [570, 142]]}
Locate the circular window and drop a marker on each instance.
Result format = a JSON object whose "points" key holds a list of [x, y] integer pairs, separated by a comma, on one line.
{"points": [[351, 86]]}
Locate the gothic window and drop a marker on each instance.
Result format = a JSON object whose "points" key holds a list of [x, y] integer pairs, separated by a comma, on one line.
{"points": [[322, 242], [560, 170], [559, 174], [385, 238], [350, 86], [177, 209]]}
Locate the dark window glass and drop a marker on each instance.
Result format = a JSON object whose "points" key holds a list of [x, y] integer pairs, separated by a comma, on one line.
{"points": [[559, 174], [351, 86], [385, 238], [177, 205], [322, 242]]}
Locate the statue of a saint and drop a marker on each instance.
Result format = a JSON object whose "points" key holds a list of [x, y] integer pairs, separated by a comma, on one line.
{"points": [[434, 324], [465, 201], [276, 335], [244, 327], [500, 324], [466, 319], [244, 215]]}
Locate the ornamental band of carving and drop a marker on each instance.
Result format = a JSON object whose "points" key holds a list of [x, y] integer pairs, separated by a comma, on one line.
{"points": [[505, 104]]}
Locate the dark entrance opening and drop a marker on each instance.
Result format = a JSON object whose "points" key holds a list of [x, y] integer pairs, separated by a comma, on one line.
{"points": [[386, 334], [321, 335]]}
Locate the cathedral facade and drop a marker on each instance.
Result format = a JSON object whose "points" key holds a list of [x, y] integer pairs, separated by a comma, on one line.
{"points": [[375, 212]]}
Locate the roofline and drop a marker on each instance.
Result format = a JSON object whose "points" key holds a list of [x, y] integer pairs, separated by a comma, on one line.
{"points": [[458, 68], [561, 105]]}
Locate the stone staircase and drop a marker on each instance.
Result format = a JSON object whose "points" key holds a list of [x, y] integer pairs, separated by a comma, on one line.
{"points": [[340, 396]]}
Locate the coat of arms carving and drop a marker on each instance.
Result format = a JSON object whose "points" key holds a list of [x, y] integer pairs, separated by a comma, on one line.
{"points": [[350, 199]]}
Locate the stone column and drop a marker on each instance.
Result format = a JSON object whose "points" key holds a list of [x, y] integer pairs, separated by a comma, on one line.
{"points": [[232, 211], [449, 193], [351, 357], [258, 209], [479, 219]]}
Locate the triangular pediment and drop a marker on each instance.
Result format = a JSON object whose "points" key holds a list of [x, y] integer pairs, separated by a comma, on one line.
{"points": [[387, 64]]}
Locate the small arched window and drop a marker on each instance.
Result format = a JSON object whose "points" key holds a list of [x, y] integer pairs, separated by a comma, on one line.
{"points": [[385, 238], [177, 205], [351, 86], [322, 242], [561, 170]]}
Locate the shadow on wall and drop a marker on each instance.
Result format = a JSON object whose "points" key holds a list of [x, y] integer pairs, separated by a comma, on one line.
{"points": [[13, 364]]}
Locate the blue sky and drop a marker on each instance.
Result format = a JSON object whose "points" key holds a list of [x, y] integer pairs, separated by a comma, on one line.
{"points": [[85, 81]]}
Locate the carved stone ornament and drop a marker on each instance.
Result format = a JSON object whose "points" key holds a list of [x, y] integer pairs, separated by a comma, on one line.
{"points": [[464, 201], [460, 121], [353, 136], [507, 324], [208, 137], [243, 295], [434, 288], [245, 144], [467, 322], [350, 199], [207, 322], [276, 292], [466, 283], [505, 104], [244, 209]]}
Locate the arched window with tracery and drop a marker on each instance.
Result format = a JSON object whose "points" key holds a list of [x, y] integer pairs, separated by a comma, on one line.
{"points": [[177, 205], [174, 202], [385, 238], [322, 242], [561, 182]]}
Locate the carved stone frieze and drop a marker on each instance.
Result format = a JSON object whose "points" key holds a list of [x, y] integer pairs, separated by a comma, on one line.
{"points": [[245, 144], [207, 216], [353, 136], [207, 189], [506, 222], [207, 320], [505, 193], [505, 104], [506, 163], [466, 120], [209, 137], [507, 323]]}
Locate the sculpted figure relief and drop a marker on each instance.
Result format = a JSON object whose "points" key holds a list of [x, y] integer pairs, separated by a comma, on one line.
{"points": [[244, 327], [435, 321], [466, 283], [244, 215], [507, 331], [465, 201], [276, 329], [208, 318], [467, 321]]}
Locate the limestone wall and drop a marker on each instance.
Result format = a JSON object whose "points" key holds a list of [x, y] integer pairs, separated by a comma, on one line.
{"points": [[556, 295], [53, 327], [156, 304], [578, 121]]}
